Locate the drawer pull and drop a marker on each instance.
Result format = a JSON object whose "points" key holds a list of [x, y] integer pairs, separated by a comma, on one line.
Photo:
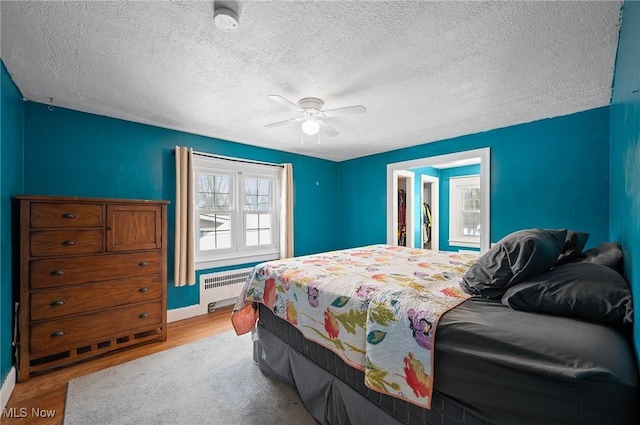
{"points": [[57, 333], [68, 215], [143, 315], [57, 273], [143, 264], [143, 290], [56, 302], [68, 243]]}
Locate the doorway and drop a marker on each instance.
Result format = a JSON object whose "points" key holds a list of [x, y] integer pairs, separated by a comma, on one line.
{"points": [[403, 200], [430, 212], [394, 170]]}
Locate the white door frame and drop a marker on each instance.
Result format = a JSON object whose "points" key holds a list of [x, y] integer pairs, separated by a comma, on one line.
{"points": [[484, 154], [434, 182], [410, 189]]}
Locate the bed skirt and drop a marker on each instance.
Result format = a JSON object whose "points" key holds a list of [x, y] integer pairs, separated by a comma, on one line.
{"points": [[333, 392]]}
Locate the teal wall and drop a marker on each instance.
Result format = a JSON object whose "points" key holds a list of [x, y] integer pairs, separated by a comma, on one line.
{"points": [[78, 154], [425, 171], [445, 192], [11, 159], [625, 153], [551, 173], [443, 207]]}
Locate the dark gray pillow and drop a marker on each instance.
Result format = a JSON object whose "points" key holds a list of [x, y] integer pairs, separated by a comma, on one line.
{"points": [[573, 246], [584, 290], [608, 254], [515, 257]]}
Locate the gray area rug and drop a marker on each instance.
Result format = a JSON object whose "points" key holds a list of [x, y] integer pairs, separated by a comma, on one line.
{"points": [[210, 381]]}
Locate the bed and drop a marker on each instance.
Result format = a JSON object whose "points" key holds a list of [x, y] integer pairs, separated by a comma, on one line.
{"points": [[519, 340]]}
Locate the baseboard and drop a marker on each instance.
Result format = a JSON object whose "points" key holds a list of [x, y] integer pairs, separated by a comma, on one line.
{"points": [[7, 387], [176, 314]]}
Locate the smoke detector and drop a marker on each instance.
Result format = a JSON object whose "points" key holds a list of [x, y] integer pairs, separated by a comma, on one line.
{"points": [[225, 19]]}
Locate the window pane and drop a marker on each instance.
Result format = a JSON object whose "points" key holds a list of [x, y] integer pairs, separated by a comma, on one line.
{"points": [[265, 237], [471, 199], [257, 229], [264, 187], [215, 231], [257, 194], [214, 191], [252, 238], [252, 221], [265, 221], [471, 211], [251, 185], [471, 223], [221, 201]]}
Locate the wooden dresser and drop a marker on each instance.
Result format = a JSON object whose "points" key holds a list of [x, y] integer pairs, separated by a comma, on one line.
{"points": [[93, 276]]}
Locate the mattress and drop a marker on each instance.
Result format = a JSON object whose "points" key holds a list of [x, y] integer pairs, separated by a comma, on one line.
{"points": [[498, 366]]}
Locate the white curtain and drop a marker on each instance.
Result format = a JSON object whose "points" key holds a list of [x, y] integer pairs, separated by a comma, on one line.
{"points": [[286, 211], [184, 268]]}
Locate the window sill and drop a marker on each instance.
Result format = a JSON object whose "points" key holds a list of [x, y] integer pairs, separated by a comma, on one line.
{"points": [[204, 264], [466, 244]]}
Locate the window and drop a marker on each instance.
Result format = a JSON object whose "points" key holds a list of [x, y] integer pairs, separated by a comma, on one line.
{"points": [[237, 208], [464, 213]]}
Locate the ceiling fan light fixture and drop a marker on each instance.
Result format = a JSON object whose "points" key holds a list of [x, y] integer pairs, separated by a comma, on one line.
{"points": [[312, 116], [310, 127]]}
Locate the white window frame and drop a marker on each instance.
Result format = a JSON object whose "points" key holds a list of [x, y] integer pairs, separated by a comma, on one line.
{"points": [[456, 238], [239, 253]]}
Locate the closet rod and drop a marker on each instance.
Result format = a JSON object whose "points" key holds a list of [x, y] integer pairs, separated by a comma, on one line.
{"points": [[227, 158]]}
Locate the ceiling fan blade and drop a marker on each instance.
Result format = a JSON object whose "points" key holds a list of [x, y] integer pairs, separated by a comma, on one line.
{"points": [[310, 138], [290, 120], [347, 110], [281, 100], [327, 128]]}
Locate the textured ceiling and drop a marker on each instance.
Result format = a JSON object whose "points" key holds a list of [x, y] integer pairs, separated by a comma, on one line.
{"points": [[424, 70]]}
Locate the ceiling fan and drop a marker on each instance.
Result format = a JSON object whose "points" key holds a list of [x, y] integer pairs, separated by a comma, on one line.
{"points": [[313, 116]]}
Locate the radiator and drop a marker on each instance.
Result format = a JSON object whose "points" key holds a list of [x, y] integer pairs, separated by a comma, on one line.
{"points": [[215, 288]]}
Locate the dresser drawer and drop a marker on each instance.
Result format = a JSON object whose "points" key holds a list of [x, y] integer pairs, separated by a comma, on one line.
{"points": [[56, 272], [51, 337], [45, 214], [65, 242], [55, 303]]}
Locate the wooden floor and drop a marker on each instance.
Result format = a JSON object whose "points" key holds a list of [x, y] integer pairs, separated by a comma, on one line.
{"points": [[45, 394]]}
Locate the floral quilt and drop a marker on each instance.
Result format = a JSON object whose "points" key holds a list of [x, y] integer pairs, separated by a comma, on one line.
{"points": [[376, 307]]}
